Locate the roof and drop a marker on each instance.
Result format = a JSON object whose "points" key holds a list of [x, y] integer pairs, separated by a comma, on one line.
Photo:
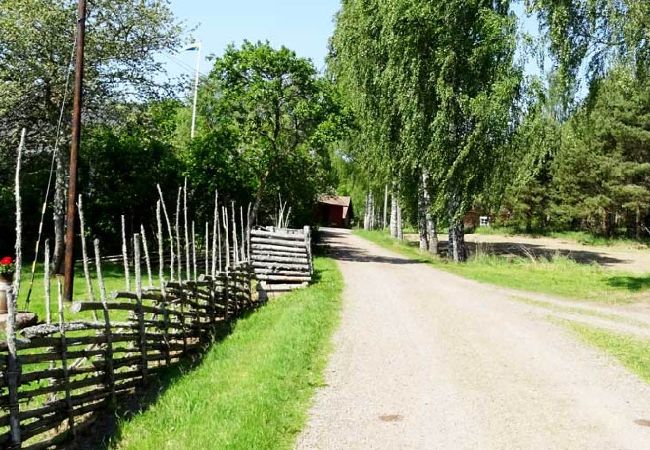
{"points": [[337, 200]]}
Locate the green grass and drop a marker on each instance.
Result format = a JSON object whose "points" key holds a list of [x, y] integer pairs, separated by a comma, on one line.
{"points": [[253, 389], [558, 276], [632, 352]]}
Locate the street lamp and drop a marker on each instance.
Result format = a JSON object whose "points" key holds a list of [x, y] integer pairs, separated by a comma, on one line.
{"points": [[196, 46]]}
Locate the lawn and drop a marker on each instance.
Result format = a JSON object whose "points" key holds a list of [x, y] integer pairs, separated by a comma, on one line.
{"points": [[558, 276], [253, 389]]}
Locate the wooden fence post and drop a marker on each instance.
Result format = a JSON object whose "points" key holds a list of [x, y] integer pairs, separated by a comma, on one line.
{"points": [[125, 257], [307, 232], [139, 311], [109, 371], [13, 369], [64, 360], [145, 246]]}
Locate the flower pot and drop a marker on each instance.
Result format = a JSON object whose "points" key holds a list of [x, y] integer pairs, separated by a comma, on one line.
{"points": [[5, 285]]}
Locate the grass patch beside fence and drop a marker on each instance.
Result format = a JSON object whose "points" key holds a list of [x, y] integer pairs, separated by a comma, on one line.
{"points": [[252, 390], [631, 352], [557, 276]]}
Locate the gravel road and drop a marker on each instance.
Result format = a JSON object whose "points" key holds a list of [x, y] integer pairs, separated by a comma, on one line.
{"points": [[427, 360]]}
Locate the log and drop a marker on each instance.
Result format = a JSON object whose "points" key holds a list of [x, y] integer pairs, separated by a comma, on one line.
{"points": [[264, 247], [278, 235], [284, 278], [278, 265], [280, 242], [276, 258], [281, 272]]}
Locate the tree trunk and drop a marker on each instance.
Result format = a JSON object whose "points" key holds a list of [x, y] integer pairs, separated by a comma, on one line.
{"points": [[400, 229], [456, 246], [366, 213], [423, 207], [58, 207], [252, 218], [638, 223], [393, 212], [432, 232], [384, 222]]}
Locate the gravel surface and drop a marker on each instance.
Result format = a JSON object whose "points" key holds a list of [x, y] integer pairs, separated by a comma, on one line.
{"points": [[424, 359]]}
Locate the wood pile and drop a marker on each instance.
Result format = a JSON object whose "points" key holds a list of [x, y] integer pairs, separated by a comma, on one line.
{"points": [[281, 258]]}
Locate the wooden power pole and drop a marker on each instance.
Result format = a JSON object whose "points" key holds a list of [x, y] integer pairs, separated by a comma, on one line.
{"points": [[74, 151]]}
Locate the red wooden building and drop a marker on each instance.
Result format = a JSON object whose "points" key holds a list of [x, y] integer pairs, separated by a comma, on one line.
{"points": [[334, 211]]}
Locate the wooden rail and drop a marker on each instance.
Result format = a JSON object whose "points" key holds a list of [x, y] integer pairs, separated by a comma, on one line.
{"points": [[45, 395]]}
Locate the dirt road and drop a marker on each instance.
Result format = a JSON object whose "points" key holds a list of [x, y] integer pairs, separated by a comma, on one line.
{"points": [[427, 360], [627, 258]]}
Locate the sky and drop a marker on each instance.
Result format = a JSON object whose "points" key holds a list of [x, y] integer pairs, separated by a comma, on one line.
{"points": [[301, 25]]}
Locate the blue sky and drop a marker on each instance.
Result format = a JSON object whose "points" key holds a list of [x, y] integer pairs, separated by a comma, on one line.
{"points": [[302, 25]]}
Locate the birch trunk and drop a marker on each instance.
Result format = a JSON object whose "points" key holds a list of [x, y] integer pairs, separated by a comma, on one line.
{"points": [[393, 212], [384, 222], [423, 207], [400, 228], [457, 248], [366, 215]]}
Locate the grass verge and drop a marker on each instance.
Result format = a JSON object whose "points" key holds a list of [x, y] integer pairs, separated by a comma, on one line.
{"points": [[253, 389], [632, 352], [558, 276]]}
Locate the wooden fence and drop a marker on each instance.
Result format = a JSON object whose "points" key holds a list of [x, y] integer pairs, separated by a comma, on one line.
{"points": [[281, 257], [56, 376]]}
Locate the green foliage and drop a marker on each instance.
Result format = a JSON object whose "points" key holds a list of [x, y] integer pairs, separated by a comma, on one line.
{"points": [[596, 177], [253, 389], [269, 116]]}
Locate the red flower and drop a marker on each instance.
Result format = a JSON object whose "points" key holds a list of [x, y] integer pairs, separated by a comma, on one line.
{"points": [[6, 261]]}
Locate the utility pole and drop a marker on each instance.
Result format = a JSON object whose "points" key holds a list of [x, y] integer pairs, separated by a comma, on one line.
{"points": [[196, 46], [74, 151]]}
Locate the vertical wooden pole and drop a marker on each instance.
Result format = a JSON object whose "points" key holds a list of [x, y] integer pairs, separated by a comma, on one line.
{"points": [[109, 371], [64, 360], [13, 369], [219, 242], [307, 232], [139, 312], [235, 250], [125, 257], [188, 273], [161, 282], [169, 231], [248, 233], [47, 284], [161, 247], [74, 149], [242, 251], [194, 251], [178, 236], [84, 253], [215, 227], [207, 248], [145, 246], [225, 229], [19, 217]]}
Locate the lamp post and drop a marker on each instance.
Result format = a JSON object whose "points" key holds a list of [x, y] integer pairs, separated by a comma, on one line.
{"points": [[196, 46]]}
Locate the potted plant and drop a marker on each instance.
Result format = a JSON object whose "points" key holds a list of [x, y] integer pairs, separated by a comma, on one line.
{"points": [[7, 270]]}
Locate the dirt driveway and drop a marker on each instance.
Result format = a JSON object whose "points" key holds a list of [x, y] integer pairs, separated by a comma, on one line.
{"points": [[424, 359], [616, 257]]}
